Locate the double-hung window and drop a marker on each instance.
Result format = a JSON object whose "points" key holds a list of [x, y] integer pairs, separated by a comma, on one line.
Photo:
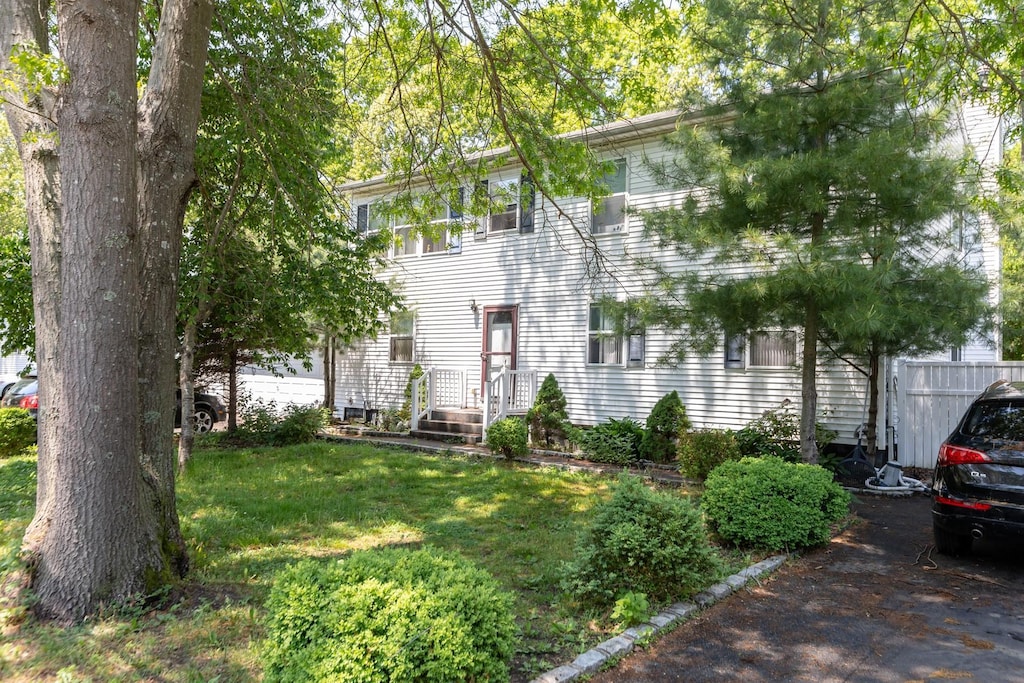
{"points": [[609, 213], [370, 219], [402, 329], [512, 205], [441, 238], [608, 345]]}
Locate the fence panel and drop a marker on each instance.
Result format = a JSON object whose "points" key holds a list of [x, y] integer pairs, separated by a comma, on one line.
{"points": [[932, 396]]}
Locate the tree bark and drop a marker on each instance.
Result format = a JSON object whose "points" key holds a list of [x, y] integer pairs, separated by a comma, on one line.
{"points": [[168, 120], [871, 429], [106, 526], [98, 544], [33, 123]]}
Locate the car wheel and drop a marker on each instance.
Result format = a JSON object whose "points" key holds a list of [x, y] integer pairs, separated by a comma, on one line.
{"points": [[202, 422], [949, 543]]}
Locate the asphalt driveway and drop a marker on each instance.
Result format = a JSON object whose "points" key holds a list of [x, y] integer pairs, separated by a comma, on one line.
{"points": [[878, 604]]}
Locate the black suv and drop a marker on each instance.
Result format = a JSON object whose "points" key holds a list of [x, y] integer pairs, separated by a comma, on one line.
{"points": [[978, 488]]}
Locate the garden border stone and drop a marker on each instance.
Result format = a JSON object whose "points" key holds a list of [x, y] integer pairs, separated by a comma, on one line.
{"points": [[604, 653]]}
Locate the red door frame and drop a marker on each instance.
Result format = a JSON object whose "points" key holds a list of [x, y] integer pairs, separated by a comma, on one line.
{"points": [[486, 353]]}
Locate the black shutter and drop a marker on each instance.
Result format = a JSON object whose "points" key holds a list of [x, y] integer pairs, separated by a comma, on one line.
{"points": [[362, 218], [527, 202], [481, 222]]}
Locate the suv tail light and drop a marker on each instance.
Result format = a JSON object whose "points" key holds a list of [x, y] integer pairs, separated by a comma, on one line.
{"points": [[29, 402], [958, 455]]}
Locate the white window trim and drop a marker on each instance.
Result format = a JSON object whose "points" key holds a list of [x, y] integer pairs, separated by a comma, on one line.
{"points": [[749, 355], [622, 344], [392, 337], [613, 228]]}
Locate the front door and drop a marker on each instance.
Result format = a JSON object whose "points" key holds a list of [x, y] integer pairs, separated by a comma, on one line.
{"points": [[501, 332]]}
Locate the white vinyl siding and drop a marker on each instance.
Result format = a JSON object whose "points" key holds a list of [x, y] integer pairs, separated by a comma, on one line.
{"points": [[548, 274]]}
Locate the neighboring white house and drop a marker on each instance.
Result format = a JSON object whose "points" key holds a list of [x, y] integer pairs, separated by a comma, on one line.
{"points": [[519, 289]]}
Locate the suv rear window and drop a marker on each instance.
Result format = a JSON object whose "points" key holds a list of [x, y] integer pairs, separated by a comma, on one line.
{"points": [[1003, 420]]}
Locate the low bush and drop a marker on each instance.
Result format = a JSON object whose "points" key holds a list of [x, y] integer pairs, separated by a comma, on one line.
{"points": [[704, 450], [652, 542], [508, 437], [772, 504], [262, 425], [616, 441], [17, 431], [776, 433], [665, 424], [299, 424], [389, 615]]}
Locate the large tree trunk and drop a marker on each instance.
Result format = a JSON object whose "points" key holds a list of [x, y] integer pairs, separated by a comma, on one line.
{"points": [[106, 527], [168, 120], [809, 386], [99, 543], [24, 22]]}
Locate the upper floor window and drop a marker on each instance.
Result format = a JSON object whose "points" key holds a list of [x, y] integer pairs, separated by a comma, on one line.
{"points": [[609, 214], [370, 219], [403, 325], [439, 232], [512, 205]]}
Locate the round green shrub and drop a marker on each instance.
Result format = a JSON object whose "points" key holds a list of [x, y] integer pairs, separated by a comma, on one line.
{"points": [[17, 431], [665, 424], [508, 437], [704, 450], [772, 504], [389, 615], [646, 541]]}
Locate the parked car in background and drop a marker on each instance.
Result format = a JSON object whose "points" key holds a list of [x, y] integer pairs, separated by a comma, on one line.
{"points": [[208, 408], [978, 487], [23, 393], [208, 411]]}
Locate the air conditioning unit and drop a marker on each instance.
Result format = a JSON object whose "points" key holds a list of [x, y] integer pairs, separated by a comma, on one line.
{"points": [[600, 229]]}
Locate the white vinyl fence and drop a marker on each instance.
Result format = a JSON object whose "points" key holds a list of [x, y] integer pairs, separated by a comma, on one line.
{"points": [[930, 399]]}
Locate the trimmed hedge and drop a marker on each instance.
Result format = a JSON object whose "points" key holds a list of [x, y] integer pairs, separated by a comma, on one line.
{"points": [[704, 450], [616, 441], [641, 540], [508, 437], [389, 615], [17, 431], [772, 504]]}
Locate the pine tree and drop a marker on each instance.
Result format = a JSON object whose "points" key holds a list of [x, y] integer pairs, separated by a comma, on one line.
{"points": [[821, 201], [547, 418]]}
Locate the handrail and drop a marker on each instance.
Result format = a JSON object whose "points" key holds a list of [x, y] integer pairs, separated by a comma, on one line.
{"points": [[416, 413], [511, 392]]}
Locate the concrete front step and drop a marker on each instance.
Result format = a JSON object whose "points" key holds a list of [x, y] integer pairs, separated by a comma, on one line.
{"points": [[467, 415], [450, 427]]}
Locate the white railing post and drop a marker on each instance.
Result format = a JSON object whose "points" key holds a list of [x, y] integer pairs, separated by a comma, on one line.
{"points": [[488, 390], [414, 413]]}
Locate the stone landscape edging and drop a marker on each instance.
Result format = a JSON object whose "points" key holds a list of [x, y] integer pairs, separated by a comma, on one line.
{"points": [[594, 659]]}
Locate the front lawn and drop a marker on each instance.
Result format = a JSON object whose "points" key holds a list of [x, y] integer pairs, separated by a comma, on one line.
{"points": [[249, 513]]}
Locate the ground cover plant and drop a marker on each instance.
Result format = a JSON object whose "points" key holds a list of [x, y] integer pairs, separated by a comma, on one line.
{"points": [[249, 513]]}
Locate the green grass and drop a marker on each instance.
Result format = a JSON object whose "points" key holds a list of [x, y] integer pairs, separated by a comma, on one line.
{"points": [[248, 513]]}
